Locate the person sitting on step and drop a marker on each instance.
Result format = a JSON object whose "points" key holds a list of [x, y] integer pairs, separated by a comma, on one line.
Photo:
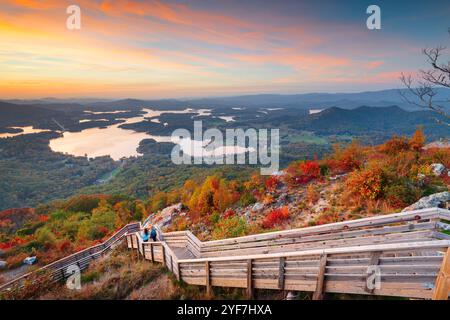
{"points": [[153, 233], [145, 235]]}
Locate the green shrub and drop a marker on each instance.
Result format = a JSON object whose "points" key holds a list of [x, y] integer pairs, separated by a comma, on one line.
{"points": [[230, 228], [214, 218], [45, 236]]}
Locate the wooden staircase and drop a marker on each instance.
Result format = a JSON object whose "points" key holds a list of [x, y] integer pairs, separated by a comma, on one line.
{"points": [[406, 253], [402, 254]]}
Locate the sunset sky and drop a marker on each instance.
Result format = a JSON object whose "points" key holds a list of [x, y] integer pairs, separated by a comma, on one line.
{"points": [[160, 49]]}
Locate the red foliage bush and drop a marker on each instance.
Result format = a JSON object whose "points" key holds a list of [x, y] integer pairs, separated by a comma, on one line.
{"points": [[272, 183], [229, 213], [395, 145], [43, 218], [347, 159], [304, 172], [65, 246], [103, 231], [366, 184], [12, 243], [275, 217]]}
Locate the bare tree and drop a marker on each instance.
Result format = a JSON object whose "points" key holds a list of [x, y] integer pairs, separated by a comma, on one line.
{"points": [[422, 90]]}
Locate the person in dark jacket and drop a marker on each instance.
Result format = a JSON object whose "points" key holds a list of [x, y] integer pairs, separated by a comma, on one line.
{"points": [[153, 233]]}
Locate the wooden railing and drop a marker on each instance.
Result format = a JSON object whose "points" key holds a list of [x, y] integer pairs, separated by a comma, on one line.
{"points": [[407, 250], [57, 270]]}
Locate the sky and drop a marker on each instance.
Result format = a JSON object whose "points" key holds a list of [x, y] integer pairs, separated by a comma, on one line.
{"points": [[182, 48]]}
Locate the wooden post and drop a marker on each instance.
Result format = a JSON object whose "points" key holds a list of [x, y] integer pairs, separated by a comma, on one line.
{"points": [[129, 245], [152, 256], [281, 273], [249, 279], [318, 294], [442, 285], [178, 272], [143, 250], [163, 255], [132, 250], [137, 248], [374, 261], [208, 279]]}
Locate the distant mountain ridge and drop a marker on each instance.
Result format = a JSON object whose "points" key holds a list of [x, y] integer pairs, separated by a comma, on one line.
{"points": [[369, 120], [382, 98]]}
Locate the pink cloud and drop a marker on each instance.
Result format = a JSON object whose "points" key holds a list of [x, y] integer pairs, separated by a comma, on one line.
{"points": [[374, 64]]}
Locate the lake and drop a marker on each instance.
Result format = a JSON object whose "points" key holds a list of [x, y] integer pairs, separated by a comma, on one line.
{"points": [[118, 143], [25, 130]]}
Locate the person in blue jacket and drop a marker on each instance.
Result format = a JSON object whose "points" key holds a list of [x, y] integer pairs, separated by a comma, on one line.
{"points": [[153, 233], [145, 235]]}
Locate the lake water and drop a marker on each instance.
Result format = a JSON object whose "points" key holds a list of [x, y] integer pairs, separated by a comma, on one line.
{"points": [[25, 130], [118, 143]]}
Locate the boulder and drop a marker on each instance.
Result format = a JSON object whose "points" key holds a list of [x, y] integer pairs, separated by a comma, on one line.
{"points": [[167, 214], [441, 200], [437, 168], [258, 206], [338, 176], [174, 209], [30, 260]]}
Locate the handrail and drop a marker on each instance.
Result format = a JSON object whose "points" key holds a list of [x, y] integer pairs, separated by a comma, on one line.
{"points": [[406, 222], [344, 225], [77, 257], [405, 247], [353, 249]]}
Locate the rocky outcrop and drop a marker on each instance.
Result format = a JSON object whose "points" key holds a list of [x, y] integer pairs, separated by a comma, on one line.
{"points": [[168, 213], [258, 206], [441, 200], [437, 168]]}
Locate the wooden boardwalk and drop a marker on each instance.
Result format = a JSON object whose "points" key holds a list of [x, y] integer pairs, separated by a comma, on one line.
{"points": [[402, 254]]}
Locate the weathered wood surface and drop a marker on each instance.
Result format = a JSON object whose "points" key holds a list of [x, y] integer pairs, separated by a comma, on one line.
{"points": [[409, 249], [330, 258], [442, 287], [400, 227]]}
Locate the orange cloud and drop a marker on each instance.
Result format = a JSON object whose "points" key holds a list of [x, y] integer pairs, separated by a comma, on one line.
{"points": [[143, 45]]}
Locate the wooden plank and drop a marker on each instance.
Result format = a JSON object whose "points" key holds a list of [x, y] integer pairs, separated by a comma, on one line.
{"points": [[408, 246], [361, 241], [249, 279], [281, 273], [292, 239], [318, 293], [345, 225], [442, 285], [416, 290]]}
